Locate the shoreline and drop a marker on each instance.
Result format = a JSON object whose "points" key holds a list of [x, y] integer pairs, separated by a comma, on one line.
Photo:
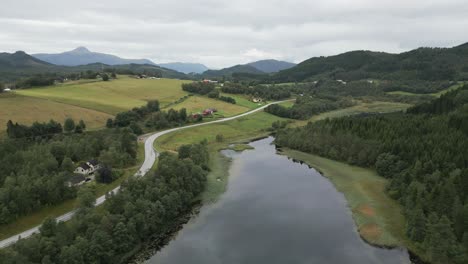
{"points": [[147, 249], [157, 242], [399, 240]]}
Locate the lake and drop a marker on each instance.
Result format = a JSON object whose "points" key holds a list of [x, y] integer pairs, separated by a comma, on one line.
{"points": [[274, 211]]}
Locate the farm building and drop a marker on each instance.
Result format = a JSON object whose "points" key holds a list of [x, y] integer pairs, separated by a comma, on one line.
{"points": [[209, 81], [209, 111]]}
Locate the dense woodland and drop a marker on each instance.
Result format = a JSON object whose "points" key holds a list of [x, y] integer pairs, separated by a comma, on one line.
{"points": [[198, 87], [144, 207], [35, 168], [208, 89], [152, 117], [262, 91], [307, 106], [424, 154], [430, 64]]}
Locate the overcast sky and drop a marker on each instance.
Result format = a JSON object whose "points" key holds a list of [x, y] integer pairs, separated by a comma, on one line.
{"points": [[222, 33]]}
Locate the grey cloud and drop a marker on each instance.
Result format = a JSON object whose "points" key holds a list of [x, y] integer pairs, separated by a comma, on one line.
{"points": [[222, 33]]}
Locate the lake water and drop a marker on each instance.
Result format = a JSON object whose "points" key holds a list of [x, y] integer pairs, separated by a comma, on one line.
{"points": [[274, 211]]}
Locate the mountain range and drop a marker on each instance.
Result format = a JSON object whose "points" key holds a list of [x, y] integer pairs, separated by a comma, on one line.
{"points": [[83, 56], [14, 66], [419, 64]]}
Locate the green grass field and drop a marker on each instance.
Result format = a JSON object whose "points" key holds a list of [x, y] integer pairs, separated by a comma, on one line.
{"points": [[243, 100], [361, 107], [111, 97], [253, 125], [26, 110], [287, 104], [196, 104], [438, 94]]}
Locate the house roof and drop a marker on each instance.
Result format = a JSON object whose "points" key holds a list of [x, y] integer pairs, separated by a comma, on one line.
{"points": [[84, 166], [93, 162]]}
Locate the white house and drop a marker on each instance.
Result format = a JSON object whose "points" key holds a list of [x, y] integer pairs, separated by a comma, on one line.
{"points": [[88, 168]]}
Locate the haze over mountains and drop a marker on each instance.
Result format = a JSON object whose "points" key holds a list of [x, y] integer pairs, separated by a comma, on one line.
{"points": [[418, 64], [185, 67], [83, 56], [14, 66]]}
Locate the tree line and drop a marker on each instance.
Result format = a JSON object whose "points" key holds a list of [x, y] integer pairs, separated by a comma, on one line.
{"points": [[307, 106], [262, 91], [208, 89], [198, 87], [151, 116], [143, 208], [424, 154]]}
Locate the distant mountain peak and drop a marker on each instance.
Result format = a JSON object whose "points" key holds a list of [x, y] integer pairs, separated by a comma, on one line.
{"points": [[83, 56], [81, 49]]}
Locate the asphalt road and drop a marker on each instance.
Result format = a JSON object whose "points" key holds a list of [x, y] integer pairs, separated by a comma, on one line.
{"points": [[150, 158]]}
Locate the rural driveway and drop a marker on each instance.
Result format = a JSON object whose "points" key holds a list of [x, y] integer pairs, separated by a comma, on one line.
{"points": [[150, 158]]}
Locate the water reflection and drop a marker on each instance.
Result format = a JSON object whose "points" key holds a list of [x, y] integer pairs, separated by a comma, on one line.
{"points": [[274, 211]]}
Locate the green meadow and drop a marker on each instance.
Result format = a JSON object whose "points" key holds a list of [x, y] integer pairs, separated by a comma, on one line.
{"points": [[113, 96]]}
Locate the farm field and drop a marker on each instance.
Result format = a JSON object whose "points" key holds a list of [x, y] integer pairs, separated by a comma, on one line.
{"points": [[111, 97], [438, 94], [287, 104], [196, 104], [362, 107], [242, 128], [27, 110], [243, 100]]}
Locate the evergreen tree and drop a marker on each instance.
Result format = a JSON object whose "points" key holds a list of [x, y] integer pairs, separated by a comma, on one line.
{"points": [[69, 125], [82, 124], [109, 123], [183, 114]]}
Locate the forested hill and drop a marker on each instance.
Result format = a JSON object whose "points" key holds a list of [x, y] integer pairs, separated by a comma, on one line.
{"points": [[20, 64], [256, 69], [14, 66], [419, 64], [424, 154], [230, 71], [269, 66]]}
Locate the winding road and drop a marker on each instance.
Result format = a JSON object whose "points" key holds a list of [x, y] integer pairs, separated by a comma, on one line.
{"points": [[150, 158]]}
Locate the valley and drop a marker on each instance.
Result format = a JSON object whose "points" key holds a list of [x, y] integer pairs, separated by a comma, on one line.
{"points": [[385, 154]]}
